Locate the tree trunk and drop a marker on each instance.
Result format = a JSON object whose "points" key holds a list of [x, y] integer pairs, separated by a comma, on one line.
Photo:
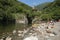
{"points": [[29, 18]]}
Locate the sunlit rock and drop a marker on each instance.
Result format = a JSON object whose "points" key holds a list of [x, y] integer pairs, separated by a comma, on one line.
{"points": [[30, 33], [20, 31], [8, 38], [1, 39], [22, 21], [31, 38], [48, 31], [35, 25], [52, 35], [25, 31], [14, 31], [19, 34]]}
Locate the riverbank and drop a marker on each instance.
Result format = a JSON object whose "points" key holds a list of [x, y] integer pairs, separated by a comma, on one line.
{"points": [[38, 31], [43, 33]]}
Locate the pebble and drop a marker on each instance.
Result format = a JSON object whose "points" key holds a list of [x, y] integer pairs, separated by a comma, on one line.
{"points": [[52, 35], [14, 31], [8, 38], [19, 34], [48, 31], [30, 33], [20, 31]]}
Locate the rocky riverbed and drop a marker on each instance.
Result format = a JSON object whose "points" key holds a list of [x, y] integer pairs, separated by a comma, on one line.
{"points": [[43, 31]]}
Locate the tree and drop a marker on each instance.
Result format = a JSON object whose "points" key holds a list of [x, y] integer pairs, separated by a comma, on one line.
{"points": [[10, 7], [46, 17]]}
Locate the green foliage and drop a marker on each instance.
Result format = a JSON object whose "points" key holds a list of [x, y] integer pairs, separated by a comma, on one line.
{"points": [[46, 17], [8, 9], [51, 11], [42, 6]]}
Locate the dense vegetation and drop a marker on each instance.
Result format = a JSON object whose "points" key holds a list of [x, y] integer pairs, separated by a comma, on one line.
{"points": [[42, 6], [51, 11], [9, 9], [46, 12]]}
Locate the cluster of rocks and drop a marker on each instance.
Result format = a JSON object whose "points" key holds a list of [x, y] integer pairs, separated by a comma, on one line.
{"points": [[6, 38], [15, 34], [41, 31]]}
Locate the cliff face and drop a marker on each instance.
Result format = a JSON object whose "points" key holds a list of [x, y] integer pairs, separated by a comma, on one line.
{"points": [[21, 19]]}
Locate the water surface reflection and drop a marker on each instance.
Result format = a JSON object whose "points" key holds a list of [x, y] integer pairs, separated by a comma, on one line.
{"points": [[6, 29]]}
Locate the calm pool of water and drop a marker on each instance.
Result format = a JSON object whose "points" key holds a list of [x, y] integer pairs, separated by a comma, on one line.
{"points": [[6, 29]]}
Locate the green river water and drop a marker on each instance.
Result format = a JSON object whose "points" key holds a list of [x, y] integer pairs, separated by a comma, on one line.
{"points": [[6, 29]]}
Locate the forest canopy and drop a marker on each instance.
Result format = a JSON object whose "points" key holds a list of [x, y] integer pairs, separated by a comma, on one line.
{"points": [[50, 11], [9, 8]]}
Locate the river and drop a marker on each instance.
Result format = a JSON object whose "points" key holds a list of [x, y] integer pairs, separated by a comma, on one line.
{"points": [[7, 29]]}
